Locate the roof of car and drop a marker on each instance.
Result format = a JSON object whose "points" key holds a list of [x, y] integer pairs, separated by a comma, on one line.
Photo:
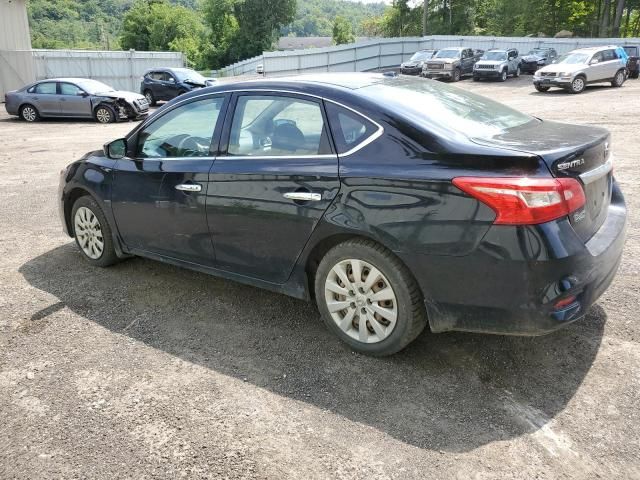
{"points": [[64, 79], [594, 49]]}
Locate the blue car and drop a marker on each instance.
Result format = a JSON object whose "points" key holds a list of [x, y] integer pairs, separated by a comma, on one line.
{"points": [[168, 83], [343, 189]]}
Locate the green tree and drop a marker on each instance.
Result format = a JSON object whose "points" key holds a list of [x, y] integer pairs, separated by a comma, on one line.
{"points": [[342, 31]]}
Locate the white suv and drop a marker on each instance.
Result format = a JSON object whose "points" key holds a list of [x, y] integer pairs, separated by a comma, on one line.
{"points": [[573, 71]]}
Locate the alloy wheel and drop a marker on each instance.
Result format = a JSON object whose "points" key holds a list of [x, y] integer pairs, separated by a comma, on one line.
{"points": [[88, 231], [578, 84], [29, 114], [361, 300], [103, 115]]}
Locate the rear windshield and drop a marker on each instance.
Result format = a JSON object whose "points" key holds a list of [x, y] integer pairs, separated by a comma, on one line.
{"points": [[435, 103]]}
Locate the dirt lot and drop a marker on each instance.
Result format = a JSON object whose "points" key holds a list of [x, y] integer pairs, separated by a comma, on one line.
{"points": [[148, 371]]}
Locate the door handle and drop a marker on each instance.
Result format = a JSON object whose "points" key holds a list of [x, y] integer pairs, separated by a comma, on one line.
{"points": [[189, 187], [303, 196]]}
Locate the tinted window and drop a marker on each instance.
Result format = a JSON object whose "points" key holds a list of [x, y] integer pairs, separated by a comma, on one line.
{"points": [[609, 55], [183, 132], [349, 129], [274, 125], [69, 89], [46, 88]]}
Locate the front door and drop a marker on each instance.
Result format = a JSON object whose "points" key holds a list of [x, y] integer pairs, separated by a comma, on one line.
{"points": [[271, 187], [159, 191], [73, 101]]}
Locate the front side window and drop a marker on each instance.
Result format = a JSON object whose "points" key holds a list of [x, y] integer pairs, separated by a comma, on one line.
{"points": [[266, 125], [186, 131], [69, 89], [46, 88], [349, 129]]}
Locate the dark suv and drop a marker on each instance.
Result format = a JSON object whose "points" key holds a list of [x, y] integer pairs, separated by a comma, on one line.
{"points": [[169, 83], [633, 63], [537, 58]]}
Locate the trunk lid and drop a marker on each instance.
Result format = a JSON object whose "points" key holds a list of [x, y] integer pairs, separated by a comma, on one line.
{"points": [[577, 151]]}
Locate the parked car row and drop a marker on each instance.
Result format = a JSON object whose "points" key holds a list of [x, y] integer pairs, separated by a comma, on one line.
{"points": [[572, 71], [87, 98]]}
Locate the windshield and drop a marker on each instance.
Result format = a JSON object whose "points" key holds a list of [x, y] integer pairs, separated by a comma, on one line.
{"points": [[573, 58], [419, 56], [494, 56], [185, 74], [538, 52], [448, 54], [441, 106], [94, 87]]}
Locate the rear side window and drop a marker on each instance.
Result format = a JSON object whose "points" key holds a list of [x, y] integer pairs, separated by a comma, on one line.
{"points": [[609, 55], [349, 129], [47, 88]]}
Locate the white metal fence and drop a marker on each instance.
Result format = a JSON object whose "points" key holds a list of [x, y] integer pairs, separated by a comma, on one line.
{"points": [[390, 52], [120, 69]]}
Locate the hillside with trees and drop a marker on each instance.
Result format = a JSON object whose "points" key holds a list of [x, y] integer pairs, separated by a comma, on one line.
{"points": [[214, 33]]}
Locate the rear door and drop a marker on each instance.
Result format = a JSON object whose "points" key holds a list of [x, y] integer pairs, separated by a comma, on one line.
{"points": [[46, 99], [74, 102], [611, 63], [159, 190], [272, 185]]}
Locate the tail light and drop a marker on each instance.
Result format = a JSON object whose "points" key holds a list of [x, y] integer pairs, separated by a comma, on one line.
{"points": [[523, 200]]}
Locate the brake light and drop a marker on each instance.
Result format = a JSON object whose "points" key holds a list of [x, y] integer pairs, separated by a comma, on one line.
{"points": [[523, 200]]}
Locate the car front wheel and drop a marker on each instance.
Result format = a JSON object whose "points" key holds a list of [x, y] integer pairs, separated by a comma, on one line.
{"points": [[578, 85], [150, 98], [517, 74], [456, 75], [504, 75], [368, 298], [92, 232], [105, 114]]}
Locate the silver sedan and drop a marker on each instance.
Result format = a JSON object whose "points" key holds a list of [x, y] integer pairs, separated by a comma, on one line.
{"points": [[75, 98]]}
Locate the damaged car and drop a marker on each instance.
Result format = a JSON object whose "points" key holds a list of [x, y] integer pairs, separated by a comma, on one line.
{"points": [[75, 98]]}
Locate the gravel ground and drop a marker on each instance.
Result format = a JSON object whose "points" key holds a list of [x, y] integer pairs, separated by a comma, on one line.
{"points": [[148, 371]]}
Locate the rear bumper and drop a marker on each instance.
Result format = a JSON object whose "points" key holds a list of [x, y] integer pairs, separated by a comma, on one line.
{"points": [[529, 67], [511, 282]]}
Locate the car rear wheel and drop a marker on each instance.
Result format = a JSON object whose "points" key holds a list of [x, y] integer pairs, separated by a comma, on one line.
{"points": [[504, 75], [92, 232], [619, 79], [150, 98], [540, 88], [105, 114], [578, 85], [29, 113], [368, 298]]}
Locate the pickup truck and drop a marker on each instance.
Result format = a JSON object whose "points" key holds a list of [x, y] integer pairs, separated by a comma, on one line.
{"points": [[451, 63]]}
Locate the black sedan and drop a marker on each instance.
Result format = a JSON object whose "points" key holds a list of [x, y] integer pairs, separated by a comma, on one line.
{"points": [[347, 189]]}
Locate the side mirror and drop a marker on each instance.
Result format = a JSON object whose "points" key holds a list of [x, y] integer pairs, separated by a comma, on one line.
{"points": [[594, 61], [171, 80], [115, 150], [82, 94]]}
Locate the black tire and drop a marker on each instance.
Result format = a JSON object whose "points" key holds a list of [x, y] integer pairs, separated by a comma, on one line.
{"points": [[151, 100], [578, 85], [540, 88], [618, 79], [411, 314], [104, 114], [476, 79], [634, 74], [504, 75], [29, 113], [108, 255], [517, 74], [456, 75]]}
